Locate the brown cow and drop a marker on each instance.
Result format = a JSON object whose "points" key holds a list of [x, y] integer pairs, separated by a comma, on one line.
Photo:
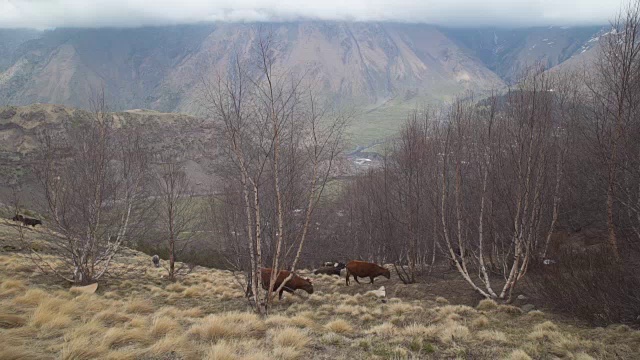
{"points": [[365, 269], [295, 283]]}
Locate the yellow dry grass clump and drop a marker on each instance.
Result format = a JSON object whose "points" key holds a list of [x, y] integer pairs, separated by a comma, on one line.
{"points": [[339, 326]]}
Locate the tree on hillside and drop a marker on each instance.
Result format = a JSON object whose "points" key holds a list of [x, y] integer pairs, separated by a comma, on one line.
{"points": [[92, 177], [615, 126], [283, 146], [177, 209]]}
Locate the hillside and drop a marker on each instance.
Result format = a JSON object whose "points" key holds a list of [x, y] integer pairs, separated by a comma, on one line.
{"points": [[508, 52], [137, 314], [19, 127]]}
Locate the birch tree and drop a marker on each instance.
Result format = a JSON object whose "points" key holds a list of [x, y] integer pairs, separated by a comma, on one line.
{"points": [[283, 145], [93, 178]]}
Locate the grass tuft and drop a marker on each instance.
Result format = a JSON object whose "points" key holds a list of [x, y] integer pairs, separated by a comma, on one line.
{"points": [[453, 332], [487, 305], [291, 337], [518, 355], [442, 301], [8, 321], [339, 326]]}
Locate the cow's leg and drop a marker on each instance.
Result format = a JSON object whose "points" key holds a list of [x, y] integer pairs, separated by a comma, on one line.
{"points": [[356, 278], [371, 277], [280, 295], [348, 276]]}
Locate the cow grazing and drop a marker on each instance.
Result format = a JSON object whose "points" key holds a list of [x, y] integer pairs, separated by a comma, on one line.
{"points": [[295, 283], [156, 260], [365, 269], [330, 268]]}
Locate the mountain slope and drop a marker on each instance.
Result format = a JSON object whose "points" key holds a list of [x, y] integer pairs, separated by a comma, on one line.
{"points": [[508, 52], [382, 70], [159, 68]]}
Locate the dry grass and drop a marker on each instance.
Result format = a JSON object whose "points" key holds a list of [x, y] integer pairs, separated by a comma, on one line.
{"points": [[146, 317], [291, 337], [286, 353], [385, 330], [442, 301], [226, 326], [118, 337], [221, 351], [8, 321], [518, 355], [172, 344], [339, 326], [453, 332], [492, 336], [480, 322], [80, 347], [12, 352], [193, 292], [111, 318], [162, 326], [139, 306], [487, 305]]}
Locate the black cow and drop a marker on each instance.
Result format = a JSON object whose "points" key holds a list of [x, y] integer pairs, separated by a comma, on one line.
{"points": [[156, 260], [31, 221], [27, 221], [330, 268]]}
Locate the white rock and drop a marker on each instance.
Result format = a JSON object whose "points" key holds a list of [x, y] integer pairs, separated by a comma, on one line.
{"points": [[89, 289], [381, 292]]}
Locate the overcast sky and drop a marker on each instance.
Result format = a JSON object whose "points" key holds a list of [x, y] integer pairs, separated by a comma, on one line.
{"points": [[131, 13]]}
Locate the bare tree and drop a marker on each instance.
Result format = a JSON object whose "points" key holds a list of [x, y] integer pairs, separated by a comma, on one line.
{"points": [[282, 145], [615, 97], [177, 207], [92, 177]]}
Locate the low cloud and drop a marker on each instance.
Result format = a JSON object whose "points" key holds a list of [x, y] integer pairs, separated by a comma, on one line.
{"points": [[133, 13]]}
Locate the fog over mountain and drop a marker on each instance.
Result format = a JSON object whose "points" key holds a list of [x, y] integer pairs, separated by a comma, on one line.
{"points": [[466, 13]]}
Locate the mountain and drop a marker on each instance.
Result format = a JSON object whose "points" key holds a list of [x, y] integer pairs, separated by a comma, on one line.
{"points": [[10, 41], [383, 70], [508, 52], [365, 63]]}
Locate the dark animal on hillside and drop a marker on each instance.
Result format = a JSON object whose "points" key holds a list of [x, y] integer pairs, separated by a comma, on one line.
{"points": [[295, 283], [156, 260], [365, 269], [30, 221], [27, 221], [327, 270], [330, 268], [340, 265]]}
